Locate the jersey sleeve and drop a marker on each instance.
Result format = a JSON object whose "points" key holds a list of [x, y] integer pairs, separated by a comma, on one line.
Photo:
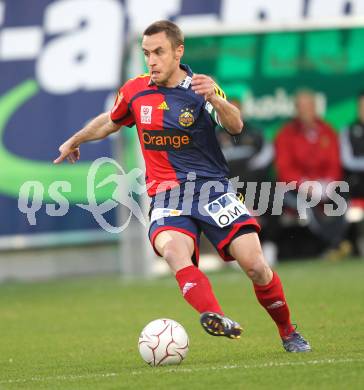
{"points": [[210, 109], [213, 114], [120, 113]]}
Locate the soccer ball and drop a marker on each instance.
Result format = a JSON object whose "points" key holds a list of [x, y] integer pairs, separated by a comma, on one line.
{"points": [[163, 342]]}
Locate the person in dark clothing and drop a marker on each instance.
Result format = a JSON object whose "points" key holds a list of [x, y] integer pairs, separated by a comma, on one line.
{"points": [[352, 152], [249, 155]]}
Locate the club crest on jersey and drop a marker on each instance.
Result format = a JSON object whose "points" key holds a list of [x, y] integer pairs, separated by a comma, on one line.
{"points": [[186, 117], [146, 114]]}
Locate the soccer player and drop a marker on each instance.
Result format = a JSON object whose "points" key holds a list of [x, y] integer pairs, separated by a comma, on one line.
{"points": [[175, 113]]}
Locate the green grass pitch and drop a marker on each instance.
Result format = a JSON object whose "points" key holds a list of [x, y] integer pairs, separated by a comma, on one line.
{"points": [[82, 333]]}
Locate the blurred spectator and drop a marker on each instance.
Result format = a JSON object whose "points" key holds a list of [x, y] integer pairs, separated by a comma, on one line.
{"points": [[248, 155], [352, 152], [307, 149]]}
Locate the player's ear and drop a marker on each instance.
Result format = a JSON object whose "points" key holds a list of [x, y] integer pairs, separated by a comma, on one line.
{"points": [[179, 52]]}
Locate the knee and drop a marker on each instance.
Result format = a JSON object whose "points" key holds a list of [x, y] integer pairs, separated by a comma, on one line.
{"points": [[257, 273], [256, 268], [170, 252], [176, 257], [173, 252]]}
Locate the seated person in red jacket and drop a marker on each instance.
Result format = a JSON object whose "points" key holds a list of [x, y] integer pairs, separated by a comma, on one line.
{"points": [[306, 149]]}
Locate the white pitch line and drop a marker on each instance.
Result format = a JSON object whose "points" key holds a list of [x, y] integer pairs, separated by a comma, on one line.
{"points": [[59, 378], [185, 370], [253, 366]]}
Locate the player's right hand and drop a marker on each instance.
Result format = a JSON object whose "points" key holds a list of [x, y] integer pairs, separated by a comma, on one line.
{"points": [[68, 151]]}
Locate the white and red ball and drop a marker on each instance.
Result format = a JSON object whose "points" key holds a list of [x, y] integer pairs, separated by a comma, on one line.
{"points": [[163, 342]]}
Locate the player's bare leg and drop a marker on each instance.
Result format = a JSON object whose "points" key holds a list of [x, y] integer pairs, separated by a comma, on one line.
{"points": [[177, 249], [247, 251]]}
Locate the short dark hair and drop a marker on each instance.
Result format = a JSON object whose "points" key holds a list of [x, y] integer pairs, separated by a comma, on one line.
{"points": [[173, 32]]}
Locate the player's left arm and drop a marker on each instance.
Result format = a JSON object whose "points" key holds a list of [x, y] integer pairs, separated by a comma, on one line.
{"points": [[229, 116]]}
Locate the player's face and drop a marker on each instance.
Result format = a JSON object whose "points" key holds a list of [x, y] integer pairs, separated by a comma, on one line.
{"points": [[161, 57], [306, 107]]}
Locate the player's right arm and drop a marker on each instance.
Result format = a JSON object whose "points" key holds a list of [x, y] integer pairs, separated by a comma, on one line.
{"points": [[98, 128]]}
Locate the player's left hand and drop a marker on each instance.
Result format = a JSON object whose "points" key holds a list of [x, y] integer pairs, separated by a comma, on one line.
{"points": [[203, 85]]}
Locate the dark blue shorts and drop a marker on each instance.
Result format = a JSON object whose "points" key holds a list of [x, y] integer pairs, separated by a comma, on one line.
{"points": [[214, 210]]}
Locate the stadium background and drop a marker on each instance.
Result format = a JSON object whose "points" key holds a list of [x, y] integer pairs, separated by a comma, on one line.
{"points": [[62, 61]]}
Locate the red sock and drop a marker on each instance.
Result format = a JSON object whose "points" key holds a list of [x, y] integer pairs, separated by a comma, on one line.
{"points": [[271, 297], [196, 290]]}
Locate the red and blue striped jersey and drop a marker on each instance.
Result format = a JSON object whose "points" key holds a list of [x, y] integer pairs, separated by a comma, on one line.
{"points": [[176, 129]]}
